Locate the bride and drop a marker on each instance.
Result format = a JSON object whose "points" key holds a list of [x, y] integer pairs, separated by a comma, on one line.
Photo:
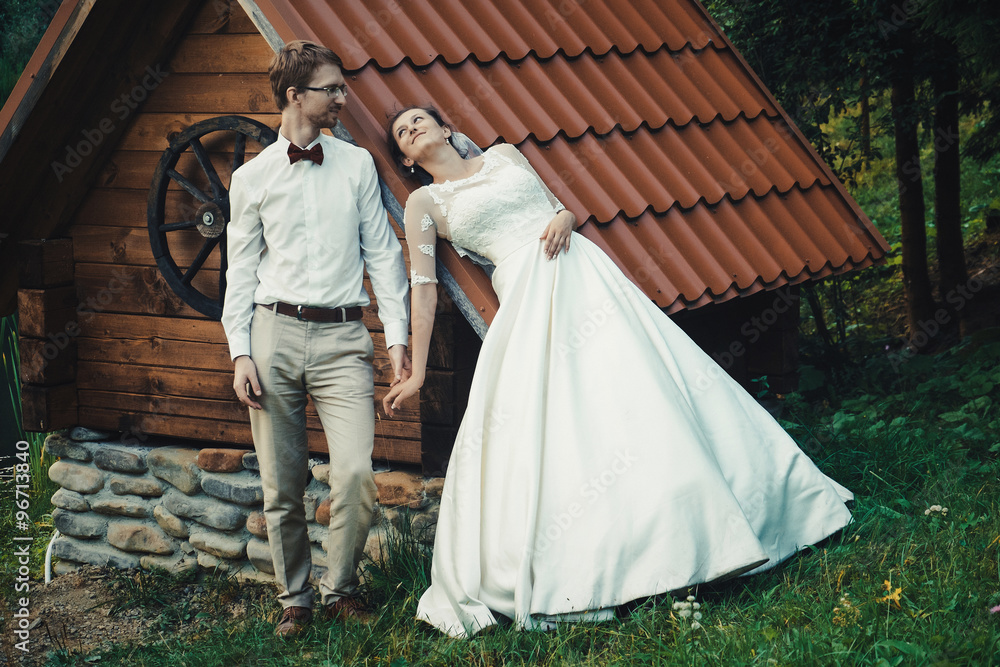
{"points": [[590, 468]]}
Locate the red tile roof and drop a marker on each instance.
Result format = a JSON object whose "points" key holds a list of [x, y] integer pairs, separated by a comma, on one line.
{"points": [[639, 114]]}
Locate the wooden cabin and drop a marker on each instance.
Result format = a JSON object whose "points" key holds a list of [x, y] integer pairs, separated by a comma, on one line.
{"points": [[119, 139]]}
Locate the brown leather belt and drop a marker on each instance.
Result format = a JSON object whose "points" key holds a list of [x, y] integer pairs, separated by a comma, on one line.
{"points": [[311, 314]]}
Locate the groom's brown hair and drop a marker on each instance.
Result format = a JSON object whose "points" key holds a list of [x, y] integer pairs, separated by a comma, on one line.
{"points": [[293, 67]]}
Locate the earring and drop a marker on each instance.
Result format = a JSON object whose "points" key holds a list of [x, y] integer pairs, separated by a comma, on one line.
{"points": [[411, 170], [447, 140]]}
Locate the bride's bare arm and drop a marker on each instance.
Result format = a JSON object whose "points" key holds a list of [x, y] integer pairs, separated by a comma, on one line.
{"points": [[421, 237]]}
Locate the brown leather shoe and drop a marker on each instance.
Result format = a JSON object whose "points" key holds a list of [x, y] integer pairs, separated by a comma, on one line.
{"points": [[348, 609], [293, 621]]}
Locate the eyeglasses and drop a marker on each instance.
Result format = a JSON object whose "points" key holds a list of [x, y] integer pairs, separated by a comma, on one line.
{"points": [[331, 91]]}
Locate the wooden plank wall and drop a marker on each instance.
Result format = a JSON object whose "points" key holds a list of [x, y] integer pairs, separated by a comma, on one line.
{"points": [[148, 362]]}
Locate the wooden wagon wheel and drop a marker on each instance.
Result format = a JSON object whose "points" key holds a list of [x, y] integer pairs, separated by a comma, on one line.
{"points": [[207, 209]]}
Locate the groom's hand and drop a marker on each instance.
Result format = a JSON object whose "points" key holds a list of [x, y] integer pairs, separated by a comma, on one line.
{"points": [[246, 381], [402, 369]]}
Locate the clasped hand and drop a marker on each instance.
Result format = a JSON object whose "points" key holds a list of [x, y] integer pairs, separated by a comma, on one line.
{"points": [[399, 393]]}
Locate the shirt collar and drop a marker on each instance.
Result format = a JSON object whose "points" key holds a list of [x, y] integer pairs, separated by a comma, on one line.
{"points": [[283, 141]]}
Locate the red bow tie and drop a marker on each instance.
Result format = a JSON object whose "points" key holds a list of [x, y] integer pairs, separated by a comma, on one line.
{"points": [[295, 154]]}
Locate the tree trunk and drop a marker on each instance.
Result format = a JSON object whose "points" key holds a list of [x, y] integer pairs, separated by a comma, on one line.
{"points": [[947, 172], [916, 282], [866, 115]]}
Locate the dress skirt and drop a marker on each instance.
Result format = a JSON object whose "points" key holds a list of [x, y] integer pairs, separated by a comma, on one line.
{"points": [[604, 457]]}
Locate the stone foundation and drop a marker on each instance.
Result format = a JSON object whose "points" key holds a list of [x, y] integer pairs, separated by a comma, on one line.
{"points": [[182, 508]]}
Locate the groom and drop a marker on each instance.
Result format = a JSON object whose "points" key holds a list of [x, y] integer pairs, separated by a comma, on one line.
{"points": [[306, 220]]}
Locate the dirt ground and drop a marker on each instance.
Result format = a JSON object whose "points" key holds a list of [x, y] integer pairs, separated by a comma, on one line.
{"points": [[81, 611]]}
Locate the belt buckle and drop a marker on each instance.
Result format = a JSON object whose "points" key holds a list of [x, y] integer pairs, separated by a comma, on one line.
{"points": [[298, 313], [343, 314]]}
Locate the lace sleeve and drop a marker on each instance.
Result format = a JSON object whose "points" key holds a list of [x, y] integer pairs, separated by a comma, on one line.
{"points": [[510, 152], [421, 237]]}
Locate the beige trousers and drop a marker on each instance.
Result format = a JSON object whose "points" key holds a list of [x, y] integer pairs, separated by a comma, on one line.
{"points": [[333, 364]]}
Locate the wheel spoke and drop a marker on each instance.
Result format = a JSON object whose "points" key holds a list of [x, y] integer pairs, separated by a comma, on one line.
{"points": [[189, 186], [196, 265], [206, 165], [174, 226], [239, 153]]}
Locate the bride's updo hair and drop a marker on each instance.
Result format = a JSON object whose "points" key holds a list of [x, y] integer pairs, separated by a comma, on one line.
{"points": [[418, 174]]}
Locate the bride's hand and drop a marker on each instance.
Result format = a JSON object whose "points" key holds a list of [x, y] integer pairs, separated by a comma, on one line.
{"points": [[393, 400], [557, 234]]}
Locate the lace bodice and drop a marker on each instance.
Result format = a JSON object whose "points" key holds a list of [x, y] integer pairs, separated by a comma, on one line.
{"points": [[495, 211]]}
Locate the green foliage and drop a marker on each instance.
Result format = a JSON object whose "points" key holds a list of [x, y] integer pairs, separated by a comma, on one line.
{"points": [[22, 23]]}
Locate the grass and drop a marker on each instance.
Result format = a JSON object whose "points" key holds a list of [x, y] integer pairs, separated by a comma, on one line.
{"points": [[901, 585]]}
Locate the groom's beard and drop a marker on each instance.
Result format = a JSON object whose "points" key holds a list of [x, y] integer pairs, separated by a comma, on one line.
{"points": [[324, 118]]}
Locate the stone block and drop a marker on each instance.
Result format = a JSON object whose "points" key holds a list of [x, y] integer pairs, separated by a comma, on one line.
{"points": [[62, 447], [81, 434], [315, 493], [92, 553], [257, 524], [323, 512], [206, 511], [171, 525], [135, 486], [318, 567], [120, 459], [250, 461], [243, 488], [132, 506], [178, 466], [86, 525], [321, 472], [259, 553], [393, 516], [256, 576], [400, 488], [319, 557], [76, 477], [70, 500], [138, 536], [214, 459], [210, 562], [424, 525], [187, 548], [433, 487], [65, 567], [375, 545], [176, 564], [317, 533], [220, 544]]}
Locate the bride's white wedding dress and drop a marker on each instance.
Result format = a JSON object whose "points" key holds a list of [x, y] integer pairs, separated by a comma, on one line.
{"points": [[603, 456]]}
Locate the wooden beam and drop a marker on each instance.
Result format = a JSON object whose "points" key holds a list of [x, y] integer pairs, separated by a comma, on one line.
{"points": [[45, 263], [48, 361], [46, 409], [45, 311]]}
